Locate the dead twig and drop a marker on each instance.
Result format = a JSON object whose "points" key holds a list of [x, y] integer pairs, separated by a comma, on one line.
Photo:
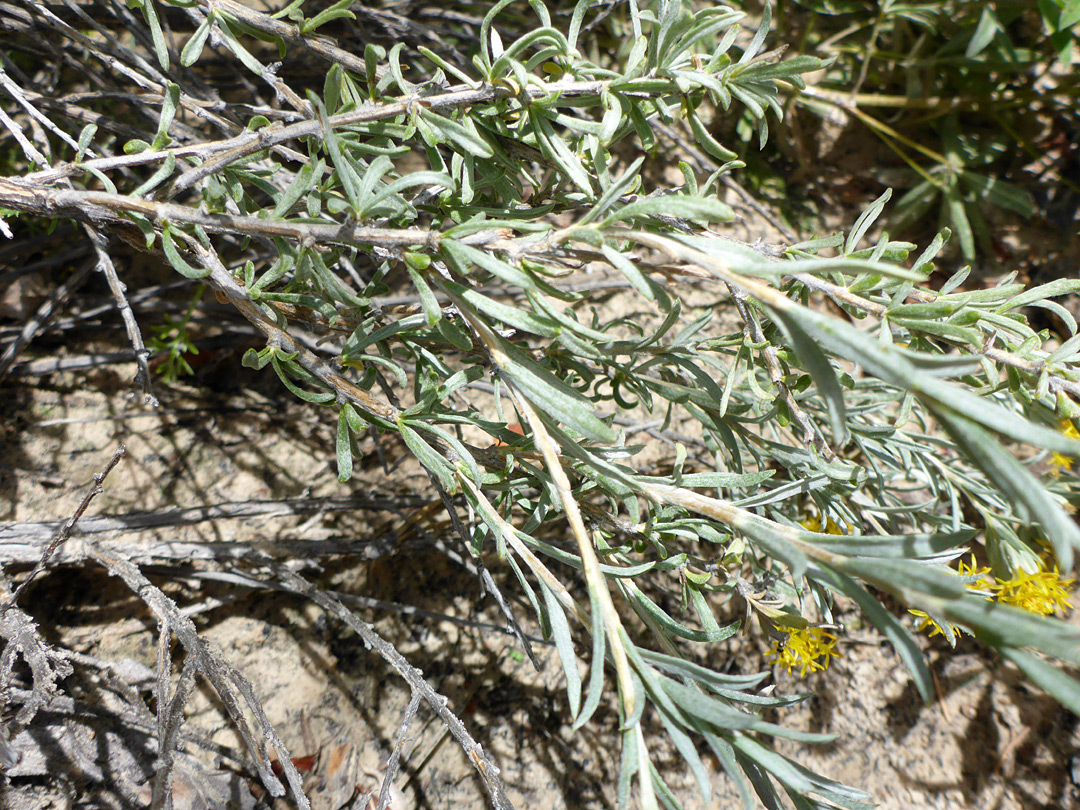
{"points": [[22, 636], [65, 529], [14, 534], [106, 267], [42, 317], [393, 764], [234, 690], [485, 766]]}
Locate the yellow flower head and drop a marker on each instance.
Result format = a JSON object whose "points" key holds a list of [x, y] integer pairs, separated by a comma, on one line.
{"points": [[968, 571], [810, 649], [1059, 461], [927, 622], [1043, 592], [815, 524], [971, 570]]}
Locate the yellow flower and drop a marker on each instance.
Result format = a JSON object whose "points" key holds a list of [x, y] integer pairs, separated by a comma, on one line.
{"points": [[813, 524], [1043, 592], [810, 649], [928, 622], [968, 571], [1059, 461]]}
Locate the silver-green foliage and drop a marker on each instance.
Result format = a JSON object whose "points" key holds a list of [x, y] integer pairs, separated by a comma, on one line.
{"points": [[851, 387]]}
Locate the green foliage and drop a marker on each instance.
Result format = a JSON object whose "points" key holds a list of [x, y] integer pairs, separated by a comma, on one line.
{"points": [[487, 176], [172, 339], [961, 92]]}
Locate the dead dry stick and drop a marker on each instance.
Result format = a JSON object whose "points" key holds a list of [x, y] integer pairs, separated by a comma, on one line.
{"points": [[22, 635], [481, 760], [20, 541], [68, 525], [393, 764], [235, 691], [42, 317], [108, 269]]}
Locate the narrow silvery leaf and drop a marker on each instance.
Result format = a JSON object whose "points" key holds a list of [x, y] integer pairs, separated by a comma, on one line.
{"points": [[464, 135], [725, 755], [1014, 480], [511, 316], [624, 265], [378, 168], [552, 396], [984, 33], [648, 608], [346, 171], [564, 643], [161, 47], [163, 173], [628, 764], [945, 594], [242, 53], [922, 545], [431, 179], [428, 302], [889, 363], [344, 448], [177, 261], [556, 150], [707, 141], [759, 36], [539, 36], [301, 185], [339, 10], [796, 777], [169, 104], [1065, 689], [676, 206], [613, 192], [85, 138], [821, 370], [194, 46], [467, 255], [685, 745], [580, 8], [427, 456], [596, 664], [462, 452], [1053, 289], [899, 636], [863, 223]]}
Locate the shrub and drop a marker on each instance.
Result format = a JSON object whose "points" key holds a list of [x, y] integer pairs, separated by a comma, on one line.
{"points": [[852, 430]]}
